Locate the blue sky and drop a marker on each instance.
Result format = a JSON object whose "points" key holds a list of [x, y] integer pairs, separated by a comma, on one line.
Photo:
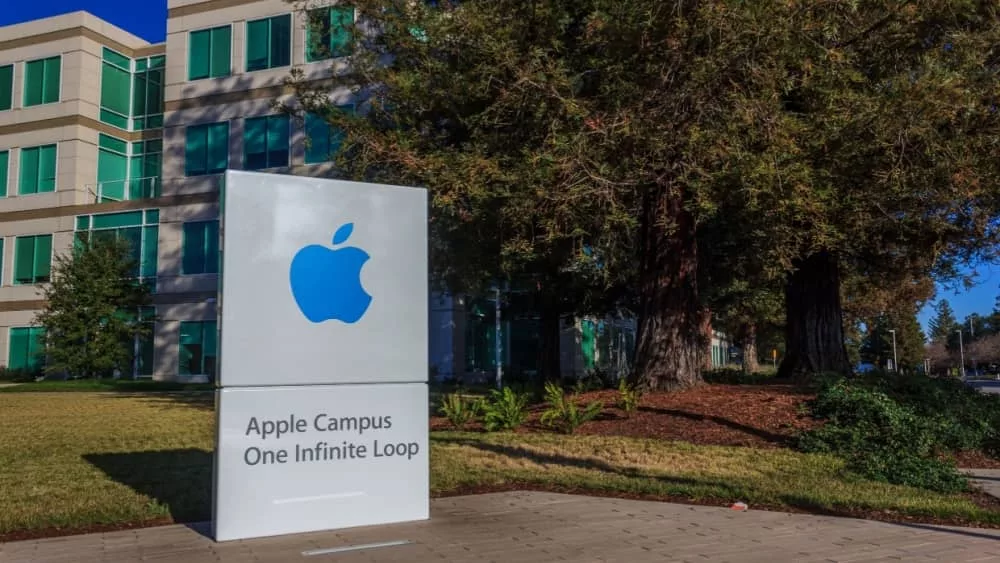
{"points": [[145, 18], [149, 22], [978, 299]]}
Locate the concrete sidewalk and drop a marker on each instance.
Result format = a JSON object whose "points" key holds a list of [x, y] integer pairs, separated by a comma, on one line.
{"points": [[530, 527]]}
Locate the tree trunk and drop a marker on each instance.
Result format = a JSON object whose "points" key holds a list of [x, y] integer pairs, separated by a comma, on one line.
{"points": [[707, 362], [670, 341], [549, 357], [748, 341], [814, 330]]}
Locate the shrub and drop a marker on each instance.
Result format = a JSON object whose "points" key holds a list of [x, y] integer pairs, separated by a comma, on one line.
{"points": [[899, 429], [628, 397], [505, 410], [16, 375], [460, 410], [563, 412]]}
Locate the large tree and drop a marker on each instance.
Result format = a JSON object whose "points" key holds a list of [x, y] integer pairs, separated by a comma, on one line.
{"points": [[93, 309], [910, 344], [876, 156], [844, 135], [944, 324]]}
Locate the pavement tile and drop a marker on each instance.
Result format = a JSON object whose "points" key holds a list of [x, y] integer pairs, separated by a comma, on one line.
{"points": [[528, 527]]}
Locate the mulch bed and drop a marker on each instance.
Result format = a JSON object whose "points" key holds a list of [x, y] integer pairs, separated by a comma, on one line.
{"points": [[763, 416]]}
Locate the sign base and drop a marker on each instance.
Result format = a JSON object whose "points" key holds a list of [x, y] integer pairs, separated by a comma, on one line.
{"points": [[320, 457]]}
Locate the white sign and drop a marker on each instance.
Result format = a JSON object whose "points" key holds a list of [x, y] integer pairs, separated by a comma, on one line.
{"points": [[299, 459], [323, 313], [323, 281]]}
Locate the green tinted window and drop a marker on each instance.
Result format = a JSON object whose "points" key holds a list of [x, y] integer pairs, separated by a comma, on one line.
{"points": [[32, 259], [210, 53], [6, 87], [26, 348], [265, 142], [112, 174], [206, 149], [329, 33], [41, 81], [322, 141], [269, 43], [4, 169], [198, 349], [200, 251], [138, 228], [38, 170]]}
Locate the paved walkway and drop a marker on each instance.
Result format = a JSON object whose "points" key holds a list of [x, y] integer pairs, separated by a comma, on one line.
{"points": [[534, 527], [986, 479]]}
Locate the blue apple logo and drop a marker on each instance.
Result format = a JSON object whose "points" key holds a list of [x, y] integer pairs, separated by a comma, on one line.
{"points": [[326, 283]]}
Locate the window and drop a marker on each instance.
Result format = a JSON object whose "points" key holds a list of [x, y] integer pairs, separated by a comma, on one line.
{"points": [[206, 149], [112, 168], [328, 33], [210, 53], [147, 92], [200, 250], [6, 87], [198, 349], [41, 81], [38, 170], [4, 169], [127, 171], [265, 142], [145, 168], [140, 228], [141, 364], [32, 259], [116, 84], [269, 43], [26, 348], [323, 140]]}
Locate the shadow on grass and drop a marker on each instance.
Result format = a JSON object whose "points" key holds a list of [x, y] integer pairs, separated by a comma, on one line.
{"points": [[684, 485], [763, 434], [180, 480], [202, 400]]}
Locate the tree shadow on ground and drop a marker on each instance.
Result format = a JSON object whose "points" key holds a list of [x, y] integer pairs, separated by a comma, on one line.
{"points": [[180, 480], [201, 400], [722, 488], [758, 432]]}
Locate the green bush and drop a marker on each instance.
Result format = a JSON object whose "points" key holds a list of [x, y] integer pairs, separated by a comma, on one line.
{"points": [[459, 410], [505, 410], [563, 412], [8, 375], [628, 397], [900, 429]]}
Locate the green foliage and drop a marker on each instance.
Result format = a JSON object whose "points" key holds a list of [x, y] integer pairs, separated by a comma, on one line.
{"points": [[8, 375], [944, 324], [460, 410], [91, 313], [563, 412], [899, 429], [505, 409], [629, 395], [877, 345]]}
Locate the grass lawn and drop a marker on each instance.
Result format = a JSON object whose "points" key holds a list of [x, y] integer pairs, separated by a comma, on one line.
{"points": [[90, 385], [76, 460]]}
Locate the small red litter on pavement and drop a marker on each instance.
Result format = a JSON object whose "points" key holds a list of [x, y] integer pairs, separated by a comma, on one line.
{"points": [[741, 506]]}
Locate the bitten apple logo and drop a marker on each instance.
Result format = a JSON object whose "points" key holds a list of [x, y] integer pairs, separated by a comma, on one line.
{"points": [[326, 282]]}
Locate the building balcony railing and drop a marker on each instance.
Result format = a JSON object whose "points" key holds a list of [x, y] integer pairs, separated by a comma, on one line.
{"points": [[125, 190]]}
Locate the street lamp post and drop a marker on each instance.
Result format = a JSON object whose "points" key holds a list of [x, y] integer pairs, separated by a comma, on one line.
{"points": [[961, 351], [895, 360]]}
